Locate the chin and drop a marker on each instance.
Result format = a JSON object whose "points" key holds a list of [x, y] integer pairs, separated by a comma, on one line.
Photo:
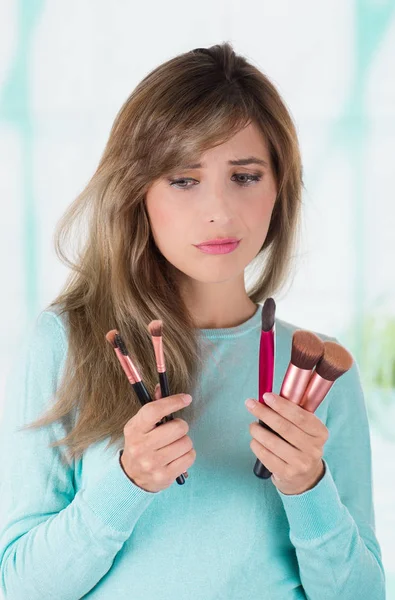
{"points": [[215, 275]]}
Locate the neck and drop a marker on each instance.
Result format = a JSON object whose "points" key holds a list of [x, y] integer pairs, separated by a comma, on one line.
{"points": [[218, 305]]}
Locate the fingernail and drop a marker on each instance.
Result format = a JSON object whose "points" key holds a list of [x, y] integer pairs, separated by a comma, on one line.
{"points": [[269, 399], [250, 403], [187, 399]]}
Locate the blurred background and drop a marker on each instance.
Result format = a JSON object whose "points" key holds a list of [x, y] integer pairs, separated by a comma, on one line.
{"points": [[67, 67]]}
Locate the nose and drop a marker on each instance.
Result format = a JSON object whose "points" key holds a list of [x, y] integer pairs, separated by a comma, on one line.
{"points": [[218, 205]]}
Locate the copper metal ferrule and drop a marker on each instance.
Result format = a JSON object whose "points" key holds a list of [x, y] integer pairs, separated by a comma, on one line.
{"points": [[315, 392], [133, 370], [295, 383], [159, 355], [125, 365]]}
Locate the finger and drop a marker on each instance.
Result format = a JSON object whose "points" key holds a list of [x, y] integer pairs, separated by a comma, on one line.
{"points": [[307, 422], [272, 462], [157, 393], [185, 461], [287, 430], [280, 448], [153, 412], [166, 454], [167, 433]]}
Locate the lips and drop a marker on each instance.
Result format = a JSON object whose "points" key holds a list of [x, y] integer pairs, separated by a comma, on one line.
{"points": [[218, 242], [223, 248]]}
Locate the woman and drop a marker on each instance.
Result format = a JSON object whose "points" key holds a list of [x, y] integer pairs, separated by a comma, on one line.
{"points": [[204, 148]]}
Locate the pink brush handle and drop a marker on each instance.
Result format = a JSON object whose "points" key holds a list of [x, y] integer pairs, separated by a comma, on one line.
{"points": [[266, 379], [266, 363]]}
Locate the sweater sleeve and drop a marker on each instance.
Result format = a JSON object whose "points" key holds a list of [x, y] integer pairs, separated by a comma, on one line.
{"points": [[54, 542], [332, 526]]}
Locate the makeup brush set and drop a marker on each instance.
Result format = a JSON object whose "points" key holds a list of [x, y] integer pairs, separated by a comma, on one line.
{"points": [[132, 373], [314, 367]]}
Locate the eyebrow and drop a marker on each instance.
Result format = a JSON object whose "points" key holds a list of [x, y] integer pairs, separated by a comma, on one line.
{"points": [[250, 160]]}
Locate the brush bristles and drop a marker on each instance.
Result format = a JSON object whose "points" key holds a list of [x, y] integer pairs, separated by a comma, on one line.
{"points": [[155, 328], [110, 337], [335, 361], [307, 349], [268, 314], [121, 344]]}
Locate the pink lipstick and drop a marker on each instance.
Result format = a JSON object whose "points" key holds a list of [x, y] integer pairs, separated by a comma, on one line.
{"points": [[219, 246]]}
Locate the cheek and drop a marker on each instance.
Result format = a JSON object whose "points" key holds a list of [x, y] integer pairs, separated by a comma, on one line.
{"points": [[256, 222], [161, 217], [168, 228], [161, 221], [260, 214]]}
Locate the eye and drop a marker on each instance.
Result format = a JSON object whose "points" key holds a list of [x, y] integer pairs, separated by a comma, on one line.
{"points": [[176, 182], [250, 179]]}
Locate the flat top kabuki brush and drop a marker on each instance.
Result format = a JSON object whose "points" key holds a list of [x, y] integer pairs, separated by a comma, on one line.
{"points": [[307, 349], [335, 361]]}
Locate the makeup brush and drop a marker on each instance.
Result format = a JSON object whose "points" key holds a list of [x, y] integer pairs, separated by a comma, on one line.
{"points": [[155, 329], [114, 338], [266, 368], [335, 361], [307, 349], [131, 371]]}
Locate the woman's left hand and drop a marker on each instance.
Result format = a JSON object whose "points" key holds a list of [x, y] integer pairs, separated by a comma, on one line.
{"points": [[296, 461]]}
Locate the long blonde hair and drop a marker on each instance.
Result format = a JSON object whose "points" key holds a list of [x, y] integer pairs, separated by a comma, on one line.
{"points": [[119, 279]]}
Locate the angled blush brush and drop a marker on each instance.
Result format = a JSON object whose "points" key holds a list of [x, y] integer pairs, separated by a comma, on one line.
{"points": [[335, 361], [114, 338], [266, 367], [155, 329]]}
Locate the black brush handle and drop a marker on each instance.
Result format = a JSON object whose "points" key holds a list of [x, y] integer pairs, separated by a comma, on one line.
{"points": [[144, 397], [164, 385], [165, 392], [259, 469], [142, 392]]}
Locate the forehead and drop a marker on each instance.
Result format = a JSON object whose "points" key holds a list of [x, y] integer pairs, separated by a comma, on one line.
{"points": [[247, 146]]}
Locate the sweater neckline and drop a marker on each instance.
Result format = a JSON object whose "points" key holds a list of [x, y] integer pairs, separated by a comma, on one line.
{"points": [[231, 332]]}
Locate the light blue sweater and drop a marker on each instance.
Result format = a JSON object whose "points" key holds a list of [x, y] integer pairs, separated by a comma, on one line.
{"points": [[85, 530]]}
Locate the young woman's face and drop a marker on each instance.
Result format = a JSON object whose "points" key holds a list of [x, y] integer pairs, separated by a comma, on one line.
{"points": [[217, 200]]}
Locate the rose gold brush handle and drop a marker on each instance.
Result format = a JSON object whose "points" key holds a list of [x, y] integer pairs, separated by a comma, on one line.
{"points": [[295, 383], [316, 391]]}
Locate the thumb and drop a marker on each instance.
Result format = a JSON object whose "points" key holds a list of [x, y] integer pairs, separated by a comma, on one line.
{"points": [[157, 393]]}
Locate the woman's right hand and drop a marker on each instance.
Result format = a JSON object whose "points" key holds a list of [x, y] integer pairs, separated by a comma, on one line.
{"points": [[154, 456]]}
